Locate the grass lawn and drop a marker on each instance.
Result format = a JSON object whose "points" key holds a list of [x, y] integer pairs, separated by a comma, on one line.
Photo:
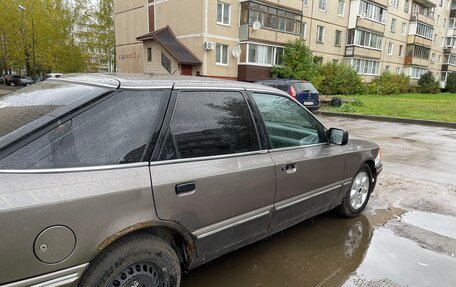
{"points": [[437, 107]]}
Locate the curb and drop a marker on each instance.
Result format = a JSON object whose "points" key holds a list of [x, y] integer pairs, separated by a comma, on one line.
{"points": [[389, 119]]}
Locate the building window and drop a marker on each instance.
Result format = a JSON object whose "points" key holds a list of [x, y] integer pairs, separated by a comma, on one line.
{"points": [[341, 8], [221, 55], [424, 31], [393, 25], [166, 62], [365, 39], [390, 48], [265, 55], [372, 12], [271, 17], [416, 73], [322, 5], [335, 61], [387, 68], [406, 6], [223, 13], [404, 28], [444, 22], [440, 59], [337, 38], [320, 34], [365, 67], [304, 31], [395, 3], [438, 20], [418, 51], [149, 54], [305, 2], [279, 51], [440, 3], [398, 70], [401, 50], [433, 58], [435, 39]]}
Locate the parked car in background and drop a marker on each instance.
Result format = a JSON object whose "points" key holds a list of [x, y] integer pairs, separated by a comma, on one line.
{"points": [[51, 75], [303, 91], [29, 81], [127, 180], [12, 80], [2, 77]]}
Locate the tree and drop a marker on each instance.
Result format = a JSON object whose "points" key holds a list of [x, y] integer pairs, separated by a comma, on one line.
{"points": [[39, 34], [428, 84], [106, 36], [339, 79], [298, 63]]}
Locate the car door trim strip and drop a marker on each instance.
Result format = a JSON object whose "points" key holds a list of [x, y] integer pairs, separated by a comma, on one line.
{"points": [[55, 279], [232, 222], [302, 197]]}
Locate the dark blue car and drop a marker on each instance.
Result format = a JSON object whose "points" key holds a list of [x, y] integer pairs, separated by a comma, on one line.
{"points": [[303, 91]]}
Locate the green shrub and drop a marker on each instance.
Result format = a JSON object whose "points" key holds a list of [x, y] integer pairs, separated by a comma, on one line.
{"points": [[358, 103], [451, 82], [339, 79], [427, 84], [347, 108], [389, 84]]}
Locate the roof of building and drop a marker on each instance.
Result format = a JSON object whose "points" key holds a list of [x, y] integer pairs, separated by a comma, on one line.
{"points": [[166, 38]]}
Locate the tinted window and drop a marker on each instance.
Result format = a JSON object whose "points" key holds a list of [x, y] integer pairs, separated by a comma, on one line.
{"points": [[115, 131], [287, 123], [40, 103], [210, 123]]}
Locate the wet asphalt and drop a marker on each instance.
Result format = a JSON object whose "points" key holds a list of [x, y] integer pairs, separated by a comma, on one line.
{"points": [[405, 237]]}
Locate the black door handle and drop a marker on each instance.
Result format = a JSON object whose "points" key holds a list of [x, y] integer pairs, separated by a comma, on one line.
{"points": [[188, 187]]}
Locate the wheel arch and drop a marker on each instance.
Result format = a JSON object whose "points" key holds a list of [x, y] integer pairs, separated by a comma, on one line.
{"points": [[371, 165], [175, 235]]}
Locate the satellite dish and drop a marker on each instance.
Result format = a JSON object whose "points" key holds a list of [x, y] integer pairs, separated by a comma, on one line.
{"points": [[256, 25], [236, 51]]}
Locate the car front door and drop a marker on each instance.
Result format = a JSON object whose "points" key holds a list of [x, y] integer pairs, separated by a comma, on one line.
{"points": [[309, 170], [211, 175]]}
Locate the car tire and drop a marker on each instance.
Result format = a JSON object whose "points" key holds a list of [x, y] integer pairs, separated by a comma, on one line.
{"points": [[138, 260], [358, 194]]}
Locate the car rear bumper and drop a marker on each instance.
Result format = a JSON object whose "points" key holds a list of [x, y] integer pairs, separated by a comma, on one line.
{"points": [[65, 277], [378, 168]]}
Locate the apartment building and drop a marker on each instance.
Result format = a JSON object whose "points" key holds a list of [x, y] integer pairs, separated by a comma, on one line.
{"points": [[242, 40]]}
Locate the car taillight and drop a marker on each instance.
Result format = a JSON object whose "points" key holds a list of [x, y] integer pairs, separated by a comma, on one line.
{"points": [[292, 92]]}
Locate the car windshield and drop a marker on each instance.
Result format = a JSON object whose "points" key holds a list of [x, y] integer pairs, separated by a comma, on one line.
{"points": [[25, 110], [304, 87]]}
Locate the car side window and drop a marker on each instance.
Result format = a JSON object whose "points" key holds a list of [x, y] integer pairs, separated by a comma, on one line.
{"points": [[115, 131], [208, 124], [287, 123]]}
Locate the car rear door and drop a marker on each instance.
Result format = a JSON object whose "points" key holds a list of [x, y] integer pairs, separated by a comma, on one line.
{"points": [[211, 174], [309, 170]]}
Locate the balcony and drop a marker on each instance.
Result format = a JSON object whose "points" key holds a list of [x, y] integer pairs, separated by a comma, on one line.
{"points": [[246, 33], [418, 40], [362, 52], [415, 61], [370, 25], [383, 3], [417, 17]]}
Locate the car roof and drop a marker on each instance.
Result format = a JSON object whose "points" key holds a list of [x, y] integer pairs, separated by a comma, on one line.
{"points": [[284, 80], [145, 81]]}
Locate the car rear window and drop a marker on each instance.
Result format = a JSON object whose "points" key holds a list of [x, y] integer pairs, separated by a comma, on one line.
{"points": [[25, 110], [281, 86], [115, 131], [304, 87]]}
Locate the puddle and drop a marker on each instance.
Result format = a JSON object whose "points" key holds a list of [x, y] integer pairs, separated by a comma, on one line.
{"points": [[322, 251], [395, 261], [440, 224], [333, 251]]}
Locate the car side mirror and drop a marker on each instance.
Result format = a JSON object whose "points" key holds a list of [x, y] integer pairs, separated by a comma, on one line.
{"points": [[338, 136]]}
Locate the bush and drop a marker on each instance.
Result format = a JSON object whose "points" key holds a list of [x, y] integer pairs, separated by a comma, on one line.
{"points": [[347, 108], [389, 84], [451, 82], [339, 79], [427, 84]]}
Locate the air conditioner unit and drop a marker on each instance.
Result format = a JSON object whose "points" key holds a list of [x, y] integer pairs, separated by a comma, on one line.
{"points": [[209, 45]]}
